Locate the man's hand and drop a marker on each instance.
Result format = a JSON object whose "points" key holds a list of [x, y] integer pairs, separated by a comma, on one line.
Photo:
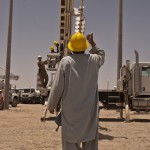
{"points": [[89, 37]]}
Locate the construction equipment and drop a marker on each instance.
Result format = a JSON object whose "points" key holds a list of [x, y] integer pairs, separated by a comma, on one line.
{"points": [[67, 12], [133, 89]]}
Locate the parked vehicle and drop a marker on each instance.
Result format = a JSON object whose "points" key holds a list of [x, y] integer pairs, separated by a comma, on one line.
{"points": [[133, 90], [30, 95], [13, 99]]}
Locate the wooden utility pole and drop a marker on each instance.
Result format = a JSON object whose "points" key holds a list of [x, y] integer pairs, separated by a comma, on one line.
{"points": [[8, 57], [119, 60]]}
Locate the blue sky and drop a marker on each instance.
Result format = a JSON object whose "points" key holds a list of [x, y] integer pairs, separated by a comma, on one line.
{"points": [[36, 26]]}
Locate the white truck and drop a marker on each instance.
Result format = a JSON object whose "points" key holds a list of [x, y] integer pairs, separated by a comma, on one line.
{"points": [[30, 95], [13, 96], [133, 88], [135, 82]]}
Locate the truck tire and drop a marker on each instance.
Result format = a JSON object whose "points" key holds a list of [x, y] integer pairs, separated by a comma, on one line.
{"points": [[33, 101], [15, 102], [43, 100]]}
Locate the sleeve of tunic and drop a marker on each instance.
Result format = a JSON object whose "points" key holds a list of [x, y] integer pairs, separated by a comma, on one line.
{"points": [[99, 55], [56, 90]]}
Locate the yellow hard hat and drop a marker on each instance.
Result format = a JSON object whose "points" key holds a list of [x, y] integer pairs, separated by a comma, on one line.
{"points": [[52, 48], [78, 43], [55, 42]]}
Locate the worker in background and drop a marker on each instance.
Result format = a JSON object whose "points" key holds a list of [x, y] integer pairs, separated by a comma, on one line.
{"points": [[57, 46], [1, 100], [76, 85], [52, 49], [42, 71], [52, 58]]}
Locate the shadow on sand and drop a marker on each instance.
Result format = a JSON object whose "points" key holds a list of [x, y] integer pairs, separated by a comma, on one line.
{"points": [[50, 119], [111, 119], [104, 137], [122, 120], [108, 137]]}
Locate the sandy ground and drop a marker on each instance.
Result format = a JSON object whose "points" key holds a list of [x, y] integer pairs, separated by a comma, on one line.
{"points": [[21, 129]]}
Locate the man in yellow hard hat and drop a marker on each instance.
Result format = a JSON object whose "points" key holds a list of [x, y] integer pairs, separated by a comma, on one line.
{"points": [[76, 85], [52, 58], [52, 49], [57, 46]]}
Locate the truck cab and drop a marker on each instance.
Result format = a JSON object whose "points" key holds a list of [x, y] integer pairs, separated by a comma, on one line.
{"points": [[140, 85], [135, 83], [29, 95]]}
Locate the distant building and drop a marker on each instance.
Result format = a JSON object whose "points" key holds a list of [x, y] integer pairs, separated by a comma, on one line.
{"points": [[12, 76]]}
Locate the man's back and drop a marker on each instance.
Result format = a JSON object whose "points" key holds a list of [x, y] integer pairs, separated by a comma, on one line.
{"points": [[80, 98], [81, 75]]}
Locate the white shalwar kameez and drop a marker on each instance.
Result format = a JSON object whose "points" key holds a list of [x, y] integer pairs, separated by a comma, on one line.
{"points": [[76, 84]]}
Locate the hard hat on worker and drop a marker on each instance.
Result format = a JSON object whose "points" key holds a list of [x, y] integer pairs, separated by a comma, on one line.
{"points": [[52, 48], [55, 42], [78, 43]]}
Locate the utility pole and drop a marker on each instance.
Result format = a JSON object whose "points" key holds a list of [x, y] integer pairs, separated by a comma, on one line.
{"points": [[119, 60], [8, 57]]}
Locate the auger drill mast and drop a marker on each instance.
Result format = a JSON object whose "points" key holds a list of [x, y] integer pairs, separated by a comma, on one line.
{"points": [[66, 11]]}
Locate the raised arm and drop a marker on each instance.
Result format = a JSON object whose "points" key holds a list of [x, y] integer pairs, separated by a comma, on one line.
{"points": [[95, 50]]}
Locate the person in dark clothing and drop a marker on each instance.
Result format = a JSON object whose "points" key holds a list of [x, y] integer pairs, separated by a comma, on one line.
{"points": [[42, 71]]}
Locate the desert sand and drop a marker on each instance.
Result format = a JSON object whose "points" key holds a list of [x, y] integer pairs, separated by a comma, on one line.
{"points": [[22, 129]]}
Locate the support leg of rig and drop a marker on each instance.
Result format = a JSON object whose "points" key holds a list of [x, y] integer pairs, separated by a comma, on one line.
{"points": [[44, 112], [121, 111], [127, 113]]}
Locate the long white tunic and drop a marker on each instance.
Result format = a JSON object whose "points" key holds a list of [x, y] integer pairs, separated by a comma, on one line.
{"points": [[76, 85]]}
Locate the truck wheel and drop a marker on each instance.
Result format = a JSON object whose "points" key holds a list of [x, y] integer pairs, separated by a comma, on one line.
{"points": [[33, 101], [43, 100], [15, 102]]}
